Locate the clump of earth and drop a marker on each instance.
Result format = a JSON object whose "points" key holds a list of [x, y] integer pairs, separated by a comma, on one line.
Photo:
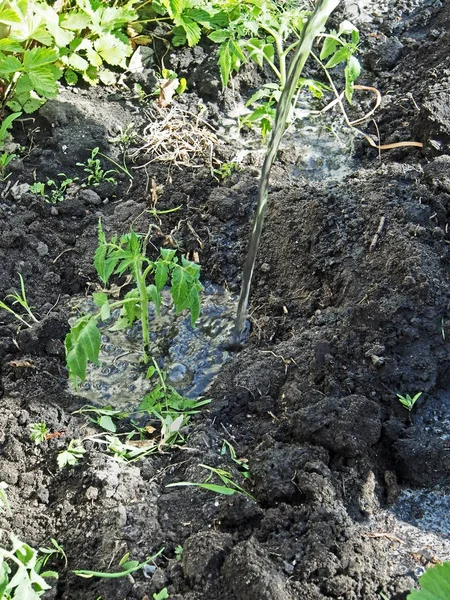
{"points": [[349, 307]]}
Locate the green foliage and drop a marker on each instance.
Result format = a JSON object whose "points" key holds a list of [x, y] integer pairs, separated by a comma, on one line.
{"points": [[407, 401], [38, 42], [71, 455], [128, 567], [20, 572], [96, 173], [229, 487], [162, 595], [434, 584], [264, 32], [21, 299], [5, 159], [38, 432], [56, 192], [126, 255]]}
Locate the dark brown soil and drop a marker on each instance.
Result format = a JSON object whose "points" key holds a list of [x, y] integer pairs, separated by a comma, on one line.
{"points": [[342, 320]]}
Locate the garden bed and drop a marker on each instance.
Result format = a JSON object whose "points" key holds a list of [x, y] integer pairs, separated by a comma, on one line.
{"points": [[349, 307]]}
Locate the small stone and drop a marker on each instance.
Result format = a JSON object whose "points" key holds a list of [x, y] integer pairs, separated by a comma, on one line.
{"points": [[54, 211], [92, 493], [377, 361], [42, 249], [265, 267]]}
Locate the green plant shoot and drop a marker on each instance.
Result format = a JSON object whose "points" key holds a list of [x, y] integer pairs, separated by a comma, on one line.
{"points": [[126, 255]]}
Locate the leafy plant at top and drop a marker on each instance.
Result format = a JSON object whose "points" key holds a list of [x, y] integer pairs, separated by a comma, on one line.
{"points": [[265, 33], [39, 41], [127, 255], [434, 584]]}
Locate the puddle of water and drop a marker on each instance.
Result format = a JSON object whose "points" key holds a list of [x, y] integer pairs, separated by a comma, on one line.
{"points": [[191, 356]]}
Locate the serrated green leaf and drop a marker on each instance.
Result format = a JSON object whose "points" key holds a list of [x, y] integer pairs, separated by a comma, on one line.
{"points": [[181, 284], [191, 29], [90, 340], [161, 274], [9, 45], [113, 50], [219, 36], [77, 62], [9, 16], [9, 64], [43, 81], [434, 584], [38, 57], [75, 21]]}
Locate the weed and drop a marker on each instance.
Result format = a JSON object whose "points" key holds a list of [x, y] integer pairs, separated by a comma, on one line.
{"points": [[71, 455], [407, 401], [242, 463], [119, 256], [56, 192], [5, 159], [128, 567], [227, 169], [21, 299], [228, 488], [57, 551], [179, 552], [38, 432], [95, 172], [162, 595]]}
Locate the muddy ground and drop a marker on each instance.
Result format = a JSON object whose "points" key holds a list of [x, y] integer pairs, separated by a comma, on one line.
{"points": [[341, 319]]}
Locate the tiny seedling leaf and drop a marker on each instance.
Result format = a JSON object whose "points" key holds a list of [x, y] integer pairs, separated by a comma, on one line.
{"points": [[434, 584]]}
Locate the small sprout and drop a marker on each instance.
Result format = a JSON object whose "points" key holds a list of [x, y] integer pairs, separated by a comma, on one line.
{"points": [[179, 552], [38, 432], [162, 595], [71, 455], [407, 401], [95, 173]]}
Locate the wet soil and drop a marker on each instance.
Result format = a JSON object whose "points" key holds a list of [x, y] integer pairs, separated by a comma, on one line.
{"points": [[350, 306]]}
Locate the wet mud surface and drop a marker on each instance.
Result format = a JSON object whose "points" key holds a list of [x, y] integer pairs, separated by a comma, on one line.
{"points": [[350, 305]]}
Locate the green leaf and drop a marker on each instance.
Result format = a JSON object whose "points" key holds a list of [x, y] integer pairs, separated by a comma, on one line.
{"points": [[9, 16], [161, 274], [225, 62], [181, 284], [43, 81], [328, 48], [71, 77], [76, 21], [219, 36], [434, 584], [9, 45], [77, 62], [90, 340], [191, 29], [9, 64], [338, 57], [194, 305], [155, 296], [106, 423], [352, 71], [113, 50]]}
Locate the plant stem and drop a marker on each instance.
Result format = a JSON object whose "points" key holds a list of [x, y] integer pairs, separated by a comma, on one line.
{"points": [[140, 280]]}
